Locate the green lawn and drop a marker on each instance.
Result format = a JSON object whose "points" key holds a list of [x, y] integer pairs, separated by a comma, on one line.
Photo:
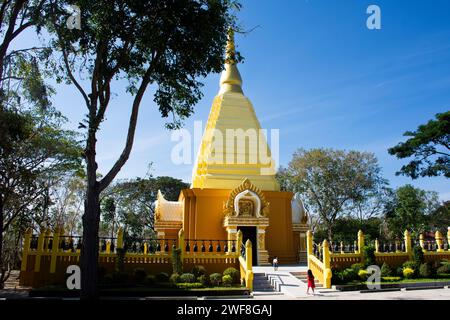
{"points": [[438, 278]]}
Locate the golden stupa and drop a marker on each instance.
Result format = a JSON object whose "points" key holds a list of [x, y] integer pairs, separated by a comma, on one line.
{"points": [[233, 183]]}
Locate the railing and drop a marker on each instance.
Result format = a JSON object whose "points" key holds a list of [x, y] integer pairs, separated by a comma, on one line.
{"points": [[245, 261], [202, 245], [323, 255], [61, 250]]}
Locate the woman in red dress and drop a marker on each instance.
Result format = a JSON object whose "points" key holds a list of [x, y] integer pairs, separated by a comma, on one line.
{"points": [[311, 283]]}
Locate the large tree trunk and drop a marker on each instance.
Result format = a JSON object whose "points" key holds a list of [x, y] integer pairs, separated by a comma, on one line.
{"points": [[89, 252], [2, 270], [91, 219]]}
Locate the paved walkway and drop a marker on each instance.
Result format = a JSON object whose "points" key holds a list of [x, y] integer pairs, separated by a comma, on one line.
{"points": [[284, 281]]}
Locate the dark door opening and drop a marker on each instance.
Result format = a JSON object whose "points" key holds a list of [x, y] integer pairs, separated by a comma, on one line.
{"points": [[249, 233]]}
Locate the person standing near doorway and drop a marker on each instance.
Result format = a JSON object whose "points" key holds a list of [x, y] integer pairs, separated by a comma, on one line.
{"points": [[275, 264]]}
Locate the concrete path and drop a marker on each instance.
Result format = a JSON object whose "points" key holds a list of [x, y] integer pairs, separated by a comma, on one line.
{"points": [[283, 281]]}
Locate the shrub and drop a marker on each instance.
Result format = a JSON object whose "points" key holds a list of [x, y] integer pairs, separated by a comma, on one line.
{"points": [[227, 280], [177, 264], [194, 285], [204, 280], [357, 267], [120, 261], [418, 256], [174, 278], [150, 280], [409, 264], [408, 273], [120, 277], [369, 255], [399, 271], [347, 275], [108, 278], [139, 275], [425, 270], [101, 273], [362, 274], [233, 273], [391, 279], [162, 277], [444, 269], [187, 278], [198, 271], [215, 279], [386, 271]]}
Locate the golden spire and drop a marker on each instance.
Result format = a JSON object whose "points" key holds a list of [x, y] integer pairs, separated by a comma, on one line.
{"points": [[230, 80]]}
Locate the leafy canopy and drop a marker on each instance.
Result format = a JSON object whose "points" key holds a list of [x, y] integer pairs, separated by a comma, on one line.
{"points": [[429, 146]]}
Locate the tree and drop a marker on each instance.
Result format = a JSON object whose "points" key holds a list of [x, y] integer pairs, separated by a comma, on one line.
{"points": [[430, 147], [34, 152], [409, 209], [134, 201], [331, 181], [168, 44]]}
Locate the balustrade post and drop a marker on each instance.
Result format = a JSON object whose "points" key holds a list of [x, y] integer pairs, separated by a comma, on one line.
{"points": [[448, 238], [239, 240], [360, 242], [408, 244], [39, 251], [439, 241], [422, 242], [309, 245], [55, 249], [120, 238], [249, 263], [326, 265], [181, 244], [377, 246], [26, 249]]}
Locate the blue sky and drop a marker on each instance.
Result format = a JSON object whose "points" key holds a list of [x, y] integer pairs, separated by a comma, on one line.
{"points": [[313, 70]]}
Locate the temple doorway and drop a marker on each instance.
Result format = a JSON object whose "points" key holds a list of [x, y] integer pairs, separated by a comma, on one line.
{"points": [[249, 233]]}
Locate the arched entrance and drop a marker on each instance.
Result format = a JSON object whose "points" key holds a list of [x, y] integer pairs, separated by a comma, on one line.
{"points": [[246, 210]]}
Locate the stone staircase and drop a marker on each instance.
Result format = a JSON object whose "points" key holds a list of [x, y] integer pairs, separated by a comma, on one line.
{"points": [[302, 276], [261, 283]]}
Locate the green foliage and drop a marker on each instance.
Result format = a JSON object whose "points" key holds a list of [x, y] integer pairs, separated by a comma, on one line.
{"points": [[187, 278], [357, 266], [425, 270], [344, 276], [386, 271], [332, 182], [399, 271], [215, 279], [120, 260], [429, 148], [204, 280], [134, 203], [444, 268], [410, 264], [346, 229], [198, 271], [369, 255], [187, 285], [418, 256], [409, 209], [177, 264], [150, 280], [162, 277], [233, 273], [139, 275], [175, 278], [227, 280], [408, 273]]}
